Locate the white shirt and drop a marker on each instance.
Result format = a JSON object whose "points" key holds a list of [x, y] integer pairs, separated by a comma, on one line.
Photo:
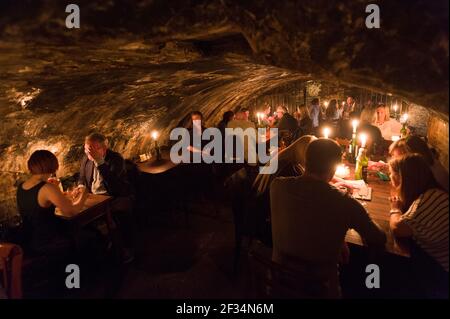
{"points": [[389, 128]]}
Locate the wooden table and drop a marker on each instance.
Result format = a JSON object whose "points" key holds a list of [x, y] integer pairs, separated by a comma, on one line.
{"points": [[96, 206], [378, 209]]}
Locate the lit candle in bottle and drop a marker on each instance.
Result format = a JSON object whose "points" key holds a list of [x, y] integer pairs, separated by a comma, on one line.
{"points": [[404, 118], [259, 115], [155, 136], [326, 132], [355, 125], [363, 138]]}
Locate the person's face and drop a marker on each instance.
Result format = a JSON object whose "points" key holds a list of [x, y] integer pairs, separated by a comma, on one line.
{"points": [[94, 146], [395, 178], [196, 117], [349, 101], [397, 153], [381, 113], [280, 113]]}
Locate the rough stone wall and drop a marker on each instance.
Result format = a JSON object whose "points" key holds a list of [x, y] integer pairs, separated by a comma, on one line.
{"points": [[438, 137]]}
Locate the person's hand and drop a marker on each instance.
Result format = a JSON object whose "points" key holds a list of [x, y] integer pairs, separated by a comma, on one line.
{"points": [[79, 192], [96, 153], [395, 202]]}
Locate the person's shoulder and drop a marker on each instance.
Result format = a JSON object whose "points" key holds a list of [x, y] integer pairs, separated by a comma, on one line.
{"points": [[114, 155], [433, 193], [282, 181]]}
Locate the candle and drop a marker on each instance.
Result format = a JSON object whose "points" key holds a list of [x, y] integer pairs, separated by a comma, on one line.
{"points": [[404, 118], [259, 116], [363, 138], [325, 103], [355, 125], [343, 103], [342, 171], [395, 108], [326, 132], [395, 138], [155, 135]]}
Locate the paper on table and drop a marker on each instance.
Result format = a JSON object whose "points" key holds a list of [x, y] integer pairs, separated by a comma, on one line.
{"points": [[356, 184]]}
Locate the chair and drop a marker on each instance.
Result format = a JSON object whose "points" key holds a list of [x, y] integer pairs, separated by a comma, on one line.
{"points": [[270, 279], [11, 269]]}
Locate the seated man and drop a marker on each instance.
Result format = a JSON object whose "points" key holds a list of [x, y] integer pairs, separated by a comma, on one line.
{"points": [[310, 218], [286, 121], [102, 170]]}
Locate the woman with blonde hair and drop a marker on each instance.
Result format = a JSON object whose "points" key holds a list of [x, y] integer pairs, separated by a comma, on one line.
{"points": [[383, 121]]}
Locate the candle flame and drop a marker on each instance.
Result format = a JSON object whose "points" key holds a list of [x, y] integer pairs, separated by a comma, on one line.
{"points": [[395, 138], [326, 103], [326, 132], [155, 135], [404, 118]]}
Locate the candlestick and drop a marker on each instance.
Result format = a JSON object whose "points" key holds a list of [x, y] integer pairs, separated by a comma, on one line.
{"points": [[155, 135]]}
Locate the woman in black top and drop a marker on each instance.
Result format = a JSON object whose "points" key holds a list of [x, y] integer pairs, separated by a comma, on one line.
{"points": [[37, 200]]}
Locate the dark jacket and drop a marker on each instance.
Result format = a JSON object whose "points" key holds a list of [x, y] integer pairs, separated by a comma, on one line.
{"points": [[113, 172], [288, 123]]}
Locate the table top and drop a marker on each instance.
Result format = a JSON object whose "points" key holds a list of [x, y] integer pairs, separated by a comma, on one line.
{"points": [[154, 166], [92, 202], [378, 209]]}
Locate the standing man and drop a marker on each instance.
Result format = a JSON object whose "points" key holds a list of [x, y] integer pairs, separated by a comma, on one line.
{"points": [[314, 111]]}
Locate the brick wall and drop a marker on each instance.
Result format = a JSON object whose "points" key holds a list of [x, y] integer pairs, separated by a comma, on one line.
{"points": [[438, 137]]}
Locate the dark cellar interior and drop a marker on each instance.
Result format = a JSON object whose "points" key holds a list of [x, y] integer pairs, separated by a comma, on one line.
{"points": [[135, 67]]}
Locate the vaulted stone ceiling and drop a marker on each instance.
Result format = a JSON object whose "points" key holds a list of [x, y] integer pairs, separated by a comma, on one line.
{"points": [[138, 65]]}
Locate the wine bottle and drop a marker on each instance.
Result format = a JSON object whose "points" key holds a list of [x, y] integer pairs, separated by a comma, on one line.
{"points": [[403, 131], [362, 164]]}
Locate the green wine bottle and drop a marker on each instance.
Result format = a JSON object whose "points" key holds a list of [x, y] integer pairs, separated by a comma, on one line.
{"points": [[362, 164]]}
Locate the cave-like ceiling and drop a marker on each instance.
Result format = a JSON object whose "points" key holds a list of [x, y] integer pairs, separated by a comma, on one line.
{"points": [[138, 65], [328, 39]]}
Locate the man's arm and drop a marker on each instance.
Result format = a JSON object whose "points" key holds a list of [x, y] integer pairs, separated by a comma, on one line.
{"points": [[114, 175], [360, 221]]}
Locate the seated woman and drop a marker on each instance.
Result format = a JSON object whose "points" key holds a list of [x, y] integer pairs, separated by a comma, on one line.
{"points": [[420, 212], [304, 121], [37, 199], [387, 126], [415, 144]]}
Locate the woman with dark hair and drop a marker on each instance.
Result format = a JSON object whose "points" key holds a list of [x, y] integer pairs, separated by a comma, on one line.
{"points": [[37, 199], [226, 117], [420, 213]]}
